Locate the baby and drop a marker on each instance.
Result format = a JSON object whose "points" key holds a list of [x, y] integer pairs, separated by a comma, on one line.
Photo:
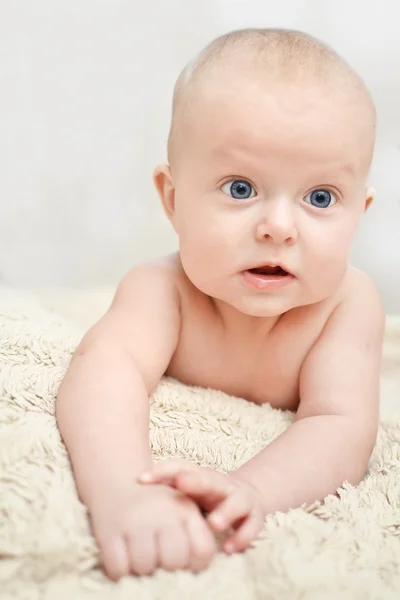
{"points": [[270, 147]]}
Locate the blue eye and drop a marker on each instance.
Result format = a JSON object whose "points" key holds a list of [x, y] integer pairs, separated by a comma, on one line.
{"points": [[238, 189], [320, 199]]}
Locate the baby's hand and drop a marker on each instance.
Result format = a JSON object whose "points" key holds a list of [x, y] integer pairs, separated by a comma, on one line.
{"points": [[151, 527], [230, 502]]}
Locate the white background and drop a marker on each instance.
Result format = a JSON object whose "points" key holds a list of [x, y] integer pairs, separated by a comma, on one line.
{"points": [[85, 92]]}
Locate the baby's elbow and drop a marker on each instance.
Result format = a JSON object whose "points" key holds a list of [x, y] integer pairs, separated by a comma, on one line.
{"points": [[357, 474], [362, 452]]}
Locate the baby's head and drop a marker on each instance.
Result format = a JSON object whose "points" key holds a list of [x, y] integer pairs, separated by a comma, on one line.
{"points": [[270, 146]]}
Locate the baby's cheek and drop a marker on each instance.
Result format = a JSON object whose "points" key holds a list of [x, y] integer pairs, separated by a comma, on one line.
{"points": [[327, 269], [202, 242], [205, 263]]}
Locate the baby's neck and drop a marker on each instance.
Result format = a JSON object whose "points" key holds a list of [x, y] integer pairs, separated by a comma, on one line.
{"points": [[234, 321]]}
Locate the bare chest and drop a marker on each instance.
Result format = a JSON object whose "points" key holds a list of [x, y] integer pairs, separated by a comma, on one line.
{"points": [[259, 370]]}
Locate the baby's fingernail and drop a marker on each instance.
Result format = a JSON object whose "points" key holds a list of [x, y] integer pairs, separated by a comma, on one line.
{"points": [[229, 548], [145, 476], [217, 520]]}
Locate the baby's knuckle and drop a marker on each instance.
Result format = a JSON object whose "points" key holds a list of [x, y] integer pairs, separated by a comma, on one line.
{"points": [[204, 547], [173, 561], [205, 552], [190, 510], [143, 568], [104, 542], [114, 569]]}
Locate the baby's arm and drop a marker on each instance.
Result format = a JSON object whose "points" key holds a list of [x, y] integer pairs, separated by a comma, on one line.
{"points": [[336, 424], [103, 415], [329, 442], [102, 404]]}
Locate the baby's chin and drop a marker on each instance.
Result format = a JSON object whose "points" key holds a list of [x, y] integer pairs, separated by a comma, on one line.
{"points": [[261, 307]]}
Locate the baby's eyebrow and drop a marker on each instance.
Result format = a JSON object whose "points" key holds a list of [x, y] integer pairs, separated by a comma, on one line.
{"points": [[239, 154], [347, 168], [334, 170]]}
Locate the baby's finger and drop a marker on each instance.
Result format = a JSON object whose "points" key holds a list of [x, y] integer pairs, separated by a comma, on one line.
{"points": [[166, 470], [173, 548], [244, 535], [143, 553], [114, 554], [208, 486], [236, 506], [201, 543]]}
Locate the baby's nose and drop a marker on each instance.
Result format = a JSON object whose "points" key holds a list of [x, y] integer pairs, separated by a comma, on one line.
{"points": [[277, 222]]}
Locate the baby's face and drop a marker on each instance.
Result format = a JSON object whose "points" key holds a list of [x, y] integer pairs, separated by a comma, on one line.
{"points": [[269, 179]]}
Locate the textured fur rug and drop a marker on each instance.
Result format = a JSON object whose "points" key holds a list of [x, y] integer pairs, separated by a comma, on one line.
{"points": [[347, 547]]}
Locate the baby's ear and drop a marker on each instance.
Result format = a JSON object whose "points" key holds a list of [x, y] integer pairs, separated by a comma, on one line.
{"points": [[369, 197], [162, 178]]}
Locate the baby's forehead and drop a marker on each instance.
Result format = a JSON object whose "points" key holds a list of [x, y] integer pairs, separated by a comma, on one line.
{"points": [[234, 103], [308, 80], [236, 124]]}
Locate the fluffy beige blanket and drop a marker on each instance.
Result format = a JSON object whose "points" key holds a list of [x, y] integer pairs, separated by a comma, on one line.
{"points": [[345, 548]]}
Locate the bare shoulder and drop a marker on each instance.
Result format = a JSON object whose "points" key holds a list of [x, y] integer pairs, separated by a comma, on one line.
{"points": [[157, 276], [340, 375], [145, 303], [164, 281], [143, 319], [360, 300], [357, 318]]}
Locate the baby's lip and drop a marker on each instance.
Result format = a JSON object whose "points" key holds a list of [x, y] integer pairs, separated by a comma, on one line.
{"points": [[270, 269]]}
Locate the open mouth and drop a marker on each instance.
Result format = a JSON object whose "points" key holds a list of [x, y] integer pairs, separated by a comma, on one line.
{"points": [[268, 270], [267, 277]]}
